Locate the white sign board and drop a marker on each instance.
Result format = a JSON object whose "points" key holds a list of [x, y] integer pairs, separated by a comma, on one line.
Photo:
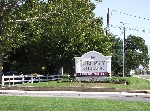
{"points": [[92, 65]]}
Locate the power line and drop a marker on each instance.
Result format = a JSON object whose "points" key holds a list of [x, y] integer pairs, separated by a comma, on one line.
{"points": [[143, 30], [131, 28], [144, 18]]}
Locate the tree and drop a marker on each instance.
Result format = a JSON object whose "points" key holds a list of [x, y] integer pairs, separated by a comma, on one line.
{"points": [[5, 7], [62, 30], [136, 52], [117, 57]]}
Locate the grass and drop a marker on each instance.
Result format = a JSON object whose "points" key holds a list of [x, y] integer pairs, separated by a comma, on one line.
{"points": [[14, 103], [135, 84], [66, 84]]}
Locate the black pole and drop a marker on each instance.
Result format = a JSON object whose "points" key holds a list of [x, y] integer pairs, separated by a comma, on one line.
{"points": [[107, 27]]}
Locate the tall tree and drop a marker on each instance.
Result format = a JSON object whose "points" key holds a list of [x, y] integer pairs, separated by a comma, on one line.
{"points": [[136, 52], [60, 31], [117, 57], [5, 7]]}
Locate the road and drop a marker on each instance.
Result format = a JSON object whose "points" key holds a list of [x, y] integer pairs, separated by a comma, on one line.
{"points": [[73, 94]]}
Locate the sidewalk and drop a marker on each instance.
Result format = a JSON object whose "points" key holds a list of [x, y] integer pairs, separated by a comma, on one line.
{"points": [[125, 96], [67, 93]]}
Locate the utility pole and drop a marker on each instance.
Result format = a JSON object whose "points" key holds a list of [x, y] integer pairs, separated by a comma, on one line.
{"points": [[124, 56], [149, 56], [107, 27]]}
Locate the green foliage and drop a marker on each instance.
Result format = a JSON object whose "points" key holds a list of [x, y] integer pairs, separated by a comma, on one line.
{"points": [[53, 33], [119, 80], [6, 6], [66, 78], [135, 84], [136, 54], [117, 57]]}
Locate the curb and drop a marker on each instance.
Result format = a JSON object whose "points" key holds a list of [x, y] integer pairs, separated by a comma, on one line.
{"points": [[79, 89]]}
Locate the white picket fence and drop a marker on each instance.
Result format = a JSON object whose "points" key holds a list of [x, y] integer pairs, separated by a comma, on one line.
{"points": [[14, 79]]}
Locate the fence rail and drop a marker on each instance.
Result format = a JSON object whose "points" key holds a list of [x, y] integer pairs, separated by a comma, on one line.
{"points": [[13, 79]]}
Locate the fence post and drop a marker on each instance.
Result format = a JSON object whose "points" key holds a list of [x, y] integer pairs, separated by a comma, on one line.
{"points": [[62, 71], [3, 80], [22, 79], [31, 78], [47, 77], [39, 78], [9, 81], [52, 77], [13, 79]]}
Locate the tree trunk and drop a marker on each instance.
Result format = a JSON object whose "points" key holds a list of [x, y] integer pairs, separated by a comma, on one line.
{"points": [[1, 45]]}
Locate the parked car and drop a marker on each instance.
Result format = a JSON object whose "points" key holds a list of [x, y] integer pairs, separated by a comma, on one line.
{"points": [[9, 73]]}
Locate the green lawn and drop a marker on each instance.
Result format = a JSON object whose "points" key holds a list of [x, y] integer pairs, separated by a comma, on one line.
{"points": [[135, 84], [14, 103]]}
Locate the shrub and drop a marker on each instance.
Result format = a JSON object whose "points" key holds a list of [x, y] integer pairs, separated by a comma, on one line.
{"points": [[119, 80]]}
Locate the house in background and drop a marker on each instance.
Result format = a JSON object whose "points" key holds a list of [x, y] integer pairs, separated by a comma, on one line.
{"points": [[139, 71], [142, 70]]}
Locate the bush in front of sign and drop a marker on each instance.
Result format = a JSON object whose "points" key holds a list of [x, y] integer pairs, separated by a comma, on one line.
{"points": [[119, 80], [92, 80], [107, 80], [66, 78]]}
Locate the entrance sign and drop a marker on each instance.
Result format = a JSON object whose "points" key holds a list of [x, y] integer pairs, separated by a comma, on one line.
{"points": [[92, 65]]}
